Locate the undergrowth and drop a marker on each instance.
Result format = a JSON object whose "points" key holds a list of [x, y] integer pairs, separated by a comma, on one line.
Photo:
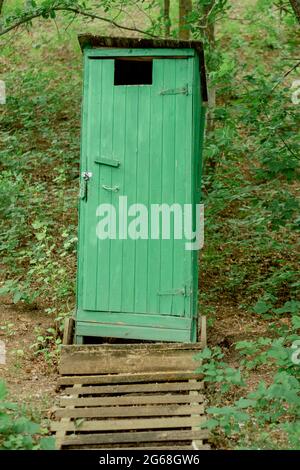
{"points": [[250, 190]]}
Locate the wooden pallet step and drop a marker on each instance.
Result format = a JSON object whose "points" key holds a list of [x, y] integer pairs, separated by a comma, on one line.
{"points": [[126, 411], [130, 396], [135, 437], [127, 378], [86, 360], [124, 424], [138, 388], [141, 448], [131, 400]]}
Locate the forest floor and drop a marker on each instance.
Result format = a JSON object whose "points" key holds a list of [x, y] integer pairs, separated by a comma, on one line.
{"points": [[31, 380], [40, 153]]}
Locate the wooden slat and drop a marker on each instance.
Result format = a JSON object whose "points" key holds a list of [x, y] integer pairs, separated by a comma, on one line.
{"points": [[126, 411], [157, 447], [138, 388], [61, 432], [102, 359], [128, 378], [130, 349], [126, 437], [126, 424], [197, 444], [130, 400]]}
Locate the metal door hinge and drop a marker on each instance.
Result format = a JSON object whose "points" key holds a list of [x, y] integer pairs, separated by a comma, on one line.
{"points": [[185, 291], [176, 91]]}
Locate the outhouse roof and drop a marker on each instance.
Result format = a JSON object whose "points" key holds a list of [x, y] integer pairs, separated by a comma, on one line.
{"points": [[92, 41]]}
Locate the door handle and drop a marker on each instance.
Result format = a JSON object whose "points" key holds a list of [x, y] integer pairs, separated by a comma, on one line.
{"points": [[114, 189], [107, 161]]}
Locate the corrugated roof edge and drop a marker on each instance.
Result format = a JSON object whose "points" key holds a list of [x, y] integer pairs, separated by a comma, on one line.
{"points": [[89, 40]]}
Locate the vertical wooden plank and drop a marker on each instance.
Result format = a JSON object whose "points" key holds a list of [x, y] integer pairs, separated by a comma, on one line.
{"points": [[198, 129], [105, 196], [167, 190], [190, 190], [116, 246], [155, 182], [197, 177], [142, 194], [130, 162], [183, 107], [89, 217], [83, 163]]}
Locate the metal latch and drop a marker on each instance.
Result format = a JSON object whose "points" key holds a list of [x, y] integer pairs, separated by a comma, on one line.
{"points": [[85, 177]]}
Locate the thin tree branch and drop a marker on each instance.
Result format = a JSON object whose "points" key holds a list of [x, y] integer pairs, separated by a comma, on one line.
{"points": [[296, 7], [77, 11], [284, 76]]}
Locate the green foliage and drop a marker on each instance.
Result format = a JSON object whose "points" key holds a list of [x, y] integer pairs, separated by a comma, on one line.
{"points": [[39, 159], [17, 430], [48, 344], [216, 371], [252, 165], [252, 228], [275, 405]]}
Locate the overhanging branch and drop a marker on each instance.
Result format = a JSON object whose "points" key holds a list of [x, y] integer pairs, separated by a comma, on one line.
{"points": [[28, 18]]}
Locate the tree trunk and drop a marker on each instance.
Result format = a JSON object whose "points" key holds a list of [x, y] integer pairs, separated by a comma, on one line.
{"points": [[167, 17], [208, 28], [1, 6], [296, 7], [185, 8]]}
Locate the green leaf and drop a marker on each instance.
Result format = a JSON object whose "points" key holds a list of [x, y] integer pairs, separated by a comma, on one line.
{"points": [[37, 225], [262, 307], [17, 296], [206, 353], [292, 306], [245, 403], [47, 443], [210, 424], [296, 322], [40, 236]]}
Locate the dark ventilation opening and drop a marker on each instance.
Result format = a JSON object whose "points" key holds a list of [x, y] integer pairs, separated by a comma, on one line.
{"points": [[133, 72]]}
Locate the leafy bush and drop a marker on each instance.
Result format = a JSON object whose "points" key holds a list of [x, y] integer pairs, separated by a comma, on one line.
{"points": [[272, 409], [17, 430]]}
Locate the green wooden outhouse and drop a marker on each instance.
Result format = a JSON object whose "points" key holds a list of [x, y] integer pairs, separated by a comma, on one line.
{"points": [[142, 134]]}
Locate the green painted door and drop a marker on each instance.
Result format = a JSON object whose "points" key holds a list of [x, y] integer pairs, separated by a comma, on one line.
{"points": [[146, 133]]}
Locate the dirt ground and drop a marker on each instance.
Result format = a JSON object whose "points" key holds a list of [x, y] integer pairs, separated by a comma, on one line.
{"points": [[31, 380]]}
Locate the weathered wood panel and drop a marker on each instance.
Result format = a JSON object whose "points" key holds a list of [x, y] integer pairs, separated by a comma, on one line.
{"points": [[126, 411], [127, 378], [101, 360]]}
